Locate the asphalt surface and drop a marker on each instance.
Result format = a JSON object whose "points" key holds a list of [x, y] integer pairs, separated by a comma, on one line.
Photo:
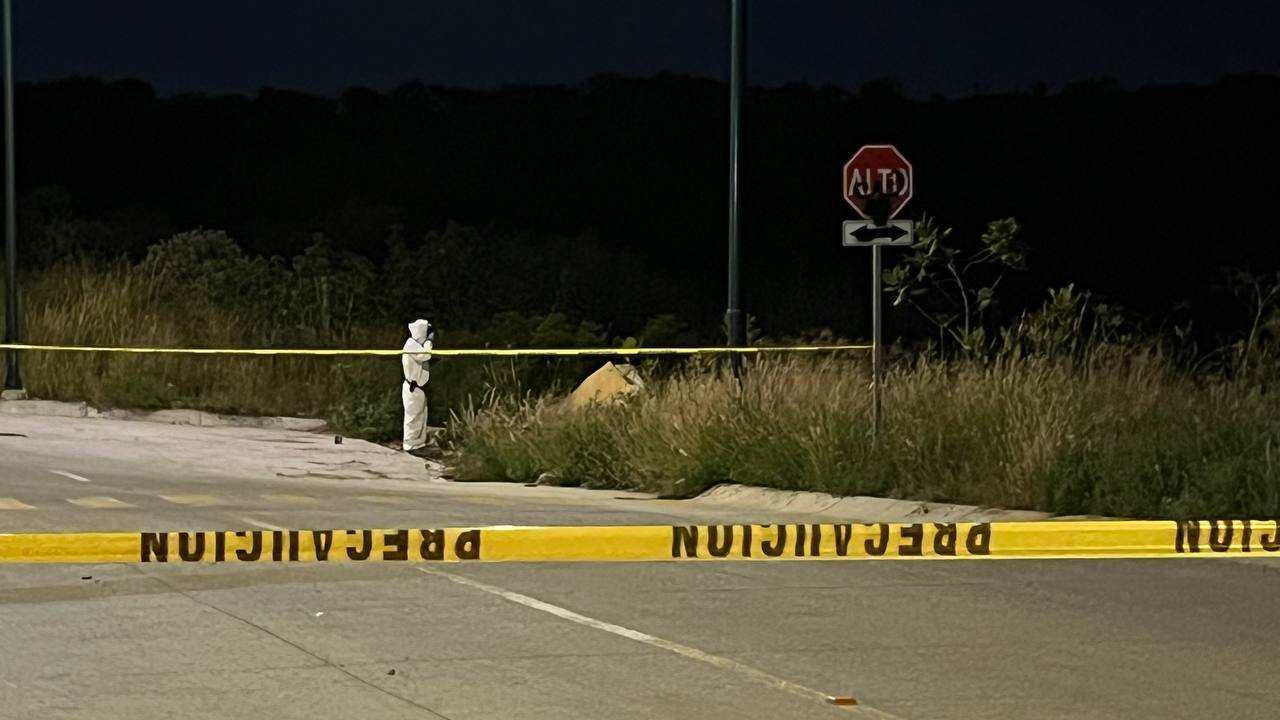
{"points": [[967, 639]]}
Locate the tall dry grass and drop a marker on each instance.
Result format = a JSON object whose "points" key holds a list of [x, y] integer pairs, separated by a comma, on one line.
{"points": [[86, 304], [1124, 433], [198, 290]]}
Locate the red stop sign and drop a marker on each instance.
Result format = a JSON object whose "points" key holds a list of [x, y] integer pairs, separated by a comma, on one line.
{"points": [[877, 181]]}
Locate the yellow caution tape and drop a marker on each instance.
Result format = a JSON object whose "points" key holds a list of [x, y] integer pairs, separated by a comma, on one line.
{"points": [[838, 541], [445, 352]]}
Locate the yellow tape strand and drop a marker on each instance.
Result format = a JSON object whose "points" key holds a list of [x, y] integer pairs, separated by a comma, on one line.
{"points": [[840, 541], [444, 352]]}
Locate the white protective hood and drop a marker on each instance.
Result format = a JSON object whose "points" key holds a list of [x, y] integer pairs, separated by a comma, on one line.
{"points": [[418, 330]]}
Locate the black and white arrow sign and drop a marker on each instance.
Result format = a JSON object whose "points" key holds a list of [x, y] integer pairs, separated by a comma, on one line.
{"points": [[865, 233]]}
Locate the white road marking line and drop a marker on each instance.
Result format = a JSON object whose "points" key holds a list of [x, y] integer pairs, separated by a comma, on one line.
{"points": [[259, 523], [196, 500], [692, 653], [14, 504], [99, 502], [382, 499], [70, 475], [291, 499]]}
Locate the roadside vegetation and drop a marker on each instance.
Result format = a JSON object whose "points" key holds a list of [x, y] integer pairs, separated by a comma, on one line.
{"points": [[200, 289], [1069, 405], [1112, 434]]}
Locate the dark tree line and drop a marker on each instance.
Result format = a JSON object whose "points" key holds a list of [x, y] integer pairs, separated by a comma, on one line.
{"points": [[1140, 195]]}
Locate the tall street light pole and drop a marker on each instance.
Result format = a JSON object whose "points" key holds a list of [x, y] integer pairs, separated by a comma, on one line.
{"points": [[12, 378], [733, 316]]}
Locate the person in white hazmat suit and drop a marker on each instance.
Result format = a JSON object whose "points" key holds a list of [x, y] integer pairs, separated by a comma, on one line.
{"points": [[414, 390]]}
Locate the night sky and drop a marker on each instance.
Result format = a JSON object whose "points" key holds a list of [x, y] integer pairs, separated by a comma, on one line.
{"points": [[930, 46]]}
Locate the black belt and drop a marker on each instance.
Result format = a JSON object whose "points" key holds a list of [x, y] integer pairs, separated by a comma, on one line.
{"points": [[413, 386]]}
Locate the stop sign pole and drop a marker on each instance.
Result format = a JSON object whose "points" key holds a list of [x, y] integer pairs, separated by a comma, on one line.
{"points": [[877, 183]]}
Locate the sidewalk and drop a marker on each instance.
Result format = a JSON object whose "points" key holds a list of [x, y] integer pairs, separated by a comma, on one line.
{"points": [[55, 408]]}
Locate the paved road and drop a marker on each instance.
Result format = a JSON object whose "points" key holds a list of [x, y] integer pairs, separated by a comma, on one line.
{"points": [[1017, 639]]}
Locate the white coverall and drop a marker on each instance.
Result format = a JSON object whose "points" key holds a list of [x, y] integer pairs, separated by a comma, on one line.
{"points": [[415, 371]]}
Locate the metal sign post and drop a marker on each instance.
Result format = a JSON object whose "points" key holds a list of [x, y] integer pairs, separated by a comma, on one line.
{"points": [[863, 233], [877, 183], [877, 367]]}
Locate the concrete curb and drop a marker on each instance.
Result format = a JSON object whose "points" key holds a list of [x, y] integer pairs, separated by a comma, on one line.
{"points": [[54, 408], [861, 508]]}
